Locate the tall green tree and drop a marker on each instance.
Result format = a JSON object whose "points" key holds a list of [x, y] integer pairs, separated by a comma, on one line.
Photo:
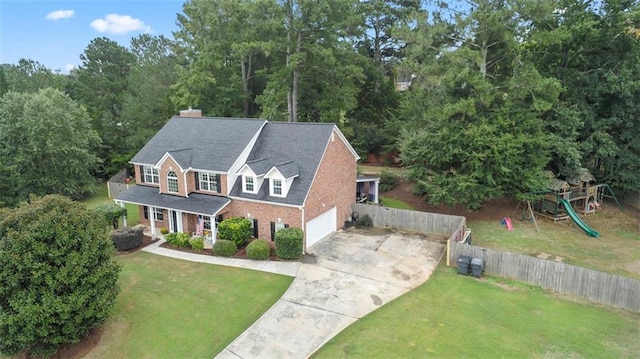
{"points": [[47, 146], [476, 119], [223, 45], [30, 76], [318, 77], [590, 48], [100, 84], [147, 104], [58, 277]]}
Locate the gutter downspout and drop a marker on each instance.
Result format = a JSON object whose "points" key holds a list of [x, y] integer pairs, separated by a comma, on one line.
{"points": [[304, 230]]}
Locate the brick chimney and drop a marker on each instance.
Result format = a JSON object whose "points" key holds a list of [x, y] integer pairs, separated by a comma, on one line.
{"points": [[190, 113]]}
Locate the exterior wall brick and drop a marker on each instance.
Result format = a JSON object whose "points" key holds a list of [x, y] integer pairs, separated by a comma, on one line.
{"points": [[265, 214], [335, 183], [168, 165]]}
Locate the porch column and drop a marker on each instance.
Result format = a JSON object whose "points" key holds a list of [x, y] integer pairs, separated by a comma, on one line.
{"points": [[375, 191], [152, 220], [179, 224], [214, 228], [124, 216]]}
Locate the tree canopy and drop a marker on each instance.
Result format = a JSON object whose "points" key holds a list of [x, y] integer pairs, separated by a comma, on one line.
{"points": [[477, 97], [47, 146]]}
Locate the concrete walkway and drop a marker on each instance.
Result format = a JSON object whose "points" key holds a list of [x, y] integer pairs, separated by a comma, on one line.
{"points": [[285, 268]]}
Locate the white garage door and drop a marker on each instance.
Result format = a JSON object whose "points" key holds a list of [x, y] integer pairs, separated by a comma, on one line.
{"points": [[321, 226]]}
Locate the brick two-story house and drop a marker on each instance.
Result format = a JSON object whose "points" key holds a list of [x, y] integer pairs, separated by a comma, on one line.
{"points": [[201, 170]]}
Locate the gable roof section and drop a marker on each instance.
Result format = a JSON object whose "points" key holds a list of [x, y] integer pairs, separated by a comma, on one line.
{"points": [[213, 143], [290, 147]]}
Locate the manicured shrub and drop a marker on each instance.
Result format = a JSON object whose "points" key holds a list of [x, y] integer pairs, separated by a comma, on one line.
{"points": [[164, 231], [182, 240], [58, 276], [388, 181], [197, 243], [289, 242], [258, 249], [127, 238], [236, 229], [171, 238], [365, 221], [225, 248]]}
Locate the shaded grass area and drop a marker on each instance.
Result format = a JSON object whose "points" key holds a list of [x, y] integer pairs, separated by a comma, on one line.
{"points": [[376, 170], [395, 203], [452, 316], [170, 308], [616, 251]]}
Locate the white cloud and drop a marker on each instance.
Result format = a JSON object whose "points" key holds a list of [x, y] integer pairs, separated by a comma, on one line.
{"points": [[59, 15], [119, 24], [70, 67]]}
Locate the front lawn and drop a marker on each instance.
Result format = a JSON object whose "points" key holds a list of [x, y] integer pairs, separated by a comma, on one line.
{"points": [[452, 316], [170, 308]]}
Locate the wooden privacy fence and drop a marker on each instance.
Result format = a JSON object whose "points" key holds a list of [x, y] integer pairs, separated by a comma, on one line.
{"points": [[118, 184], [598, 287], [452, 227]]}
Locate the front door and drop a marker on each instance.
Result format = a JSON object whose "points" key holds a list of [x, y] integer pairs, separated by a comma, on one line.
{"points": [[174, 221]]}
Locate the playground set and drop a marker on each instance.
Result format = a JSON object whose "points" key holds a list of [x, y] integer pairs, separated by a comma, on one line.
{"points": [[564, 199]]}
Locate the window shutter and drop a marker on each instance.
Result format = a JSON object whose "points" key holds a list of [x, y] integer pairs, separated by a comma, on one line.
{"points": [[218, 187], [273, 231], [255, 228], [141, 173], [146, 212], [197, 176]]}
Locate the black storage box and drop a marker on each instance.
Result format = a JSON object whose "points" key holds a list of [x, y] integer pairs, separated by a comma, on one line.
{"points": [[477, 267], [463, 265]]}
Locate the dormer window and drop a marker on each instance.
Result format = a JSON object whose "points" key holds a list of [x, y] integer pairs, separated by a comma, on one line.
{"points": [[172, 182], [276, 187], [151, 175], [248, 183]]}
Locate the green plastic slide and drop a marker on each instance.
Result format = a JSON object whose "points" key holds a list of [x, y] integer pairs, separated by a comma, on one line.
{"points": [[572, 213]]}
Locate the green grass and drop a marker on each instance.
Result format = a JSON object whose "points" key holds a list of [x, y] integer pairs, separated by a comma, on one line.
{"points": [[395, 203], [376, 170], [170, 308], [452, 316]]}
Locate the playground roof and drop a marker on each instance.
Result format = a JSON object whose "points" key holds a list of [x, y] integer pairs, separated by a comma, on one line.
{"points": [[557, 185], [582, 175]]}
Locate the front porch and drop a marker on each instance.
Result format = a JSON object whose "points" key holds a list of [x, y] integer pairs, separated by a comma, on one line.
{"points": [[196, 215]]}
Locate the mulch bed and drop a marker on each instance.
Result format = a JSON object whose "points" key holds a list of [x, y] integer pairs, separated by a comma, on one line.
{"points": [[242, 252]]}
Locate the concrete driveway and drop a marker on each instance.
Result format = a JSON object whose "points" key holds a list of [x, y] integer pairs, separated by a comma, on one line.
{"points": [[344, 277]]}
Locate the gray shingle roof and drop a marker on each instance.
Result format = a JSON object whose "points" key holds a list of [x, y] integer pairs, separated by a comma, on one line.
{"points": [[196, 203], [206, 143], [261, 166], [288, 169], [301, 144]]}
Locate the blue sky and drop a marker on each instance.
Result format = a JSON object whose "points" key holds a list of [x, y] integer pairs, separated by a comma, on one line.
{"points": [[55, 33]]}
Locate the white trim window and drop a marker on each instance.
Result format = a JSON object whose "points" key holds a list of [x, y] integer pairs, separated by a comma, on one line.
{"points": [[249, 184], [208, 181], [158, 214], [151, 175], [276, 187], [172, 182]]}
